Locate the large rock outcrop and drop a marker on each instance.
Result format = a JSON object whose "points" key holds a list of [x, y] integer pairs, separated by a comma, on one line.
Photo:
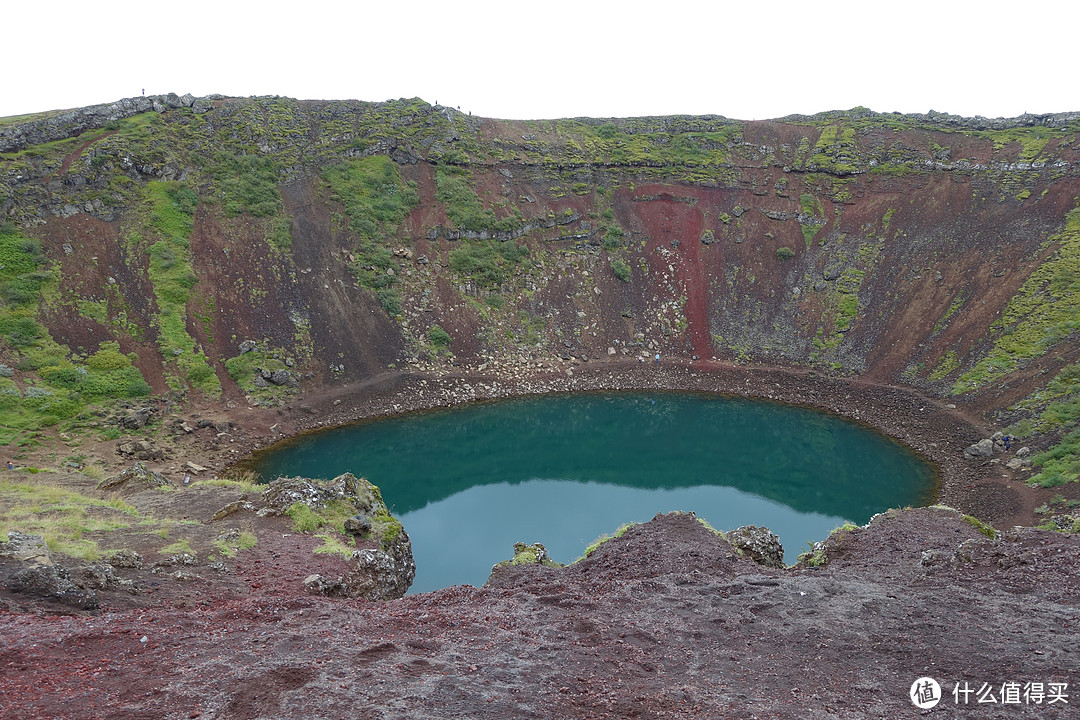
{"points": [[380, 573]]}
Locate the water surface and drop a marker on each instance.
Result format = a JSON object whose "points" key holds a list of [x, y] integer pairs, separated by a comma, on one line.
{"points": [[563, 469]]}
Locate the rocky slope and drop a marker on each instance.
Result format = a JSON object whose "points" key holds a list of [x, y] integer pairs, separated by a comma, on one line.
{"points": [[183, 280]]}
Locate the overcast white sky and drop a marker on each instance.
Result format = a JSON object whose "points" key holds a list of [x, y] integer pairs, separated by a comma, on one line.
{"points": [[560, 58]]}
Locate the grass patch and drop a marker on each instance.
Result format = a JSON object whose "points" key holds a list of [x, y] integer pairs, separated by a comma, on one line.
{"points": [[334, 545], [236, 542], [307, 519], [595, 544], [63, 517], [179, 547], [248, 184], [487, 262]]}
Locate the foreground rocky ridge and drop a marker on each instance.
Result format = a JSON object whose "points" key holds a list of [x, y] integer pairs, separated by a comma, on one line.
{"points": [[665, 621]]}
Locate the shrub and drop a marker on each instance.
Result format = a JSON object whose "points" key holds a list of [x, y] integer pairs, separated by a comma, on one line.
{"points": [[784, 253], [390, 301], [621, 269], [439, 337]]}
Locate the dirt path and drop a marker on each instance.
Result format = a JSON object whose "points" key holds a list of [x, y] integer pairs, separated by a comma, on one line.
{"points": [[66, 164]]}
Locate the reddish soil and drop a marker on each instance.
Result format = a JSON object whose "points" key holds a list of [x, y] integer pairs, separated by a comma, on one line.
{"points": [[664, 622]]}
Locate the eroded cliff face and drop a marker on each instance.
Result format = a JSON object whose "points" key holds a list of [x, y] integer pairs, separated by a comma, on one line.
{"points": [[265, 248]]}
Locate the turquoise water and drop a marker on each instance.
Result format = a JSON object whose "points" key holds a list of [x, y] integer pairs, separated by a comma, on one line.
{"points": [[561, 470]]}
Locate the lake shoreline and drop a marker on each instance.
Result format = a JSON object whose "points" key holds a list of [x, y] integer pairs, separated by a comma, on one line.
{"points": [[927, 426]]}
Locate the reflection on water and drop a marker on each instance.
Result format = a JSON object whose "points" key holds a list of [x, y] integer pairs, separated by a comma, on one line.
{"points": [[465, 481]]}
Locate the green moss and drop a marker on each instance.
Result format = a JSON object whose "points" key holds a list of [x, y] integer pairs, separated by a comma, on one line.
{"points": [[595, 544], [948, 363], [386, 529], [982, 527], [949, 312], [1044, 312]]}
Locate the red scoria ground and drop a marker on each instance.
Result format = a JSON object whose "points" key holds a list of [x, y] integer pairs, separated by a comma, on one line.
{"points": [[666, 621]]}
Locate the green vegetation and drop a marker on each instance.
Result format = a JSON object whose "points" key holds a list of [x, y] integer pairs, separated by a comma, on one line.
{"points": [[65, 384], [982, 527], [621, 269], [439, 337], [953, 307], [1044, 312], [949, 362], [63, 517], [811, 208], [248, 184], [245, 368], [784, 253], [487, 262], [835, 150], [335, 545], [374, 196], [180, 547], [1056, 409], [595, 544], [23, 272], [234, 542], [171, 207], [464, 208], [307, 519], [376, 200]]}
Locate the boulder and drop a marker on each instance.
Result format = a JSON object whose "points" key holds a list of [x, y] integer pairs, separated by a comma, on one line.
{"points": [[983, 448], [378, 575], [29, 549], [322, 585], [358, 525], [126, 559], [137, 419], [53, 583], [372, 521], [137, 477], [759, 544]]}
